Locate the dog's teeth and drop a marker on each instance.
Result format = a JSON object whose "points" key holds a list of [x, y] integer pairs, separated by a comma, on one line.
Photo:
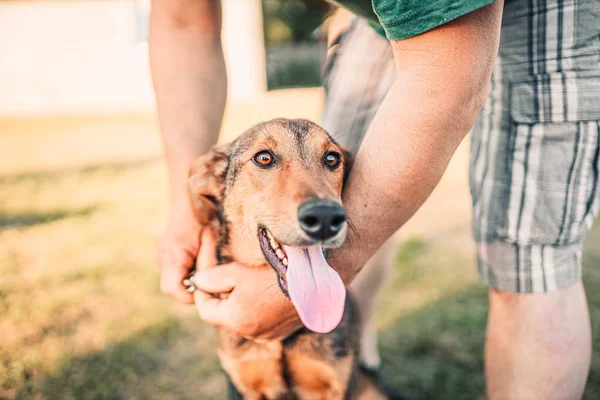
{"points": [[268, 234], [273, 243], [280, 254], [284, 262]]}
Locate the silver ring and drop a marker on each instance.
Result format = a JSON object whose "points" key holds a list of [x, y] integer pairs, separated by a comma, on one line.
{"points": [[190, 284]]}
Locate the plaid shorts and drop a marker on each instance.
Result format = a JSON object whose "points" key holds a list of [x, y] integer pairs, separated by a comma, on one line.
{"points": [[535, 155]]}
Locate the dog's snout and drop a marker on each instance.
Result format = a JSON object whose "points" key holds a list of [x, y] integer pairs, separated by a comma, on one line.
{"points": [[321, 219]]}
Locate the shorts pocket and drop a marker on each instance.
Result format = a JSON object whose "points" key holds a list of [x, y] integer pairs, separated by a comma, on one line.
{"points": [[332, 55], [556, 97], [551, 186]]}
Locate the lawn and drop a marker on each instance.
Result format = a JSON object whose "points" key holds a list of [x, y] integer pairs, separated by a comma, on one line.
{"points": [[82, 202]]}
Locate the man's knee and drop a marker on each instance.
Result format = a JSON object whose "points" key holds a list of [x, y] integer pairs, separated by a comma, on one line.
{"points": [[557, 300], [538, 346], [545, 314], [506, 298]]}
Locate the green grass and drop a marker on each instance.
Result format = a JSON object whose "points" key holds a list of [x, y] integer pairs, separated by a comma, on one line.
{"points": [[81, 316]]}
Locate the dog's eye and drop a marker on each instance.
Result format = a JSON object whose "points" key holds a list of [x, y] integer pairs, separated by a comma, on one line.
{"points": [[332, 160], [263, 159]]}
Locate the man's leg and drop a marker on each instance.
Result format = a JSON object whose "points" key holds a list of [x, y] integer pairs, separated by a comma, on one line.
{"points": [[530, 222], [535, 161], [358, 74], [538, 346], [365, 288]]}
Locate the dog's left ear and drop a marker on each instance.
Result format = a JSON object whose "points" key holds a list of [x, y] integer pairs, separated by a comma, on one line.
{"points": [[206, 182], [348, 163]]}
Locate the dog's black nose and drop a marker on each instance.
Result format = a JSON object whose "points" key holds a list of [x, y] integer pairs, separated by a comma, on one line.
{"points": [[321, 219]]}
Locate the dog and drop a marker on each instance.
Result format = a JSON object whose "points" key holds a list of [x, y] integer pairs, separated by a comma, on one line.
{"points": [[274, 197]]}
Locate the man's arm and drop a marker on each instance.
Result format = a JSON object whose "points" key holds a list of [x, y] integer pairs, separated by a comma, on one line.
{"points": [[442, 78], [188, 72]]}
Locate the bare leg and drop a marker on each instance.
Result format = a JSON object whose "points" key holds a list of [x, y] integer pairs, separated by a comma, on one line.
{"points": [[365, 288], [538, 346]]}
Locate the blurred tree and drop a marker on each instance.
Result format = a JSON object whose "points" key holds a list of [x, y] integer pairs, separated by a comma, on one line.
{"points": [[292, 21], [294, 54]]}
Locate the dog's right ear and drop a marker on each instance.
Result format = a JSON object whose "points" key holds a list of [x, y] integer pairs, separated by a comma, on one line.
{"points": [[206, 182]]}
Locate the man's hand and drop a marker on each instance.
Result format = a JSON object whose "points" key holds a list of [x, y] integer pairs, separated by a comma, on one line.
{"points": [[248, 301], [177, 253]]}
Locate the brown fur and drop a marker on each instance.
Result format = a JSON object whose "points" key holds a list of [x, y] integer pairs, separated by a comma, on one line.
{"points": [[229, 190]]}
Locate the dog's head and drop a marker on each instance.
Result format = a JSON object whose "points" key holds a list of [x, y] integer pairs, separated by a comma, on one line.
{"points": [[276, 192]]}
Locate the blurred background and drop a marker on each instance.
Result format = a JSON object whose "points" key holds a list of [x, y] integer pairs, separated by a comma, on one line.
{"points": [[83, 199]]}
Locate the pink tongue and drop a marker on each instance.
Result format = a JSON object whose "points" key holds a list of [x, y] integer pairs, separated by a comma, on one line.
{"points": [[316, 290]]}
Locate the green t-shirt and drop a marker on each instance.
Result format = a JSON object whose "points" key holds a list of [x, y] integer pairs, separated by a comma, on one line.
{"points": [[401, 19]]}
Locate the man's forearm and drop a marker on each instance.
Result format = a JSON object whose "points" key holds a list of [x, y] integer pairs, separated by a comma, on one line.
{"points": [[440, 86], [188, 73], [400, 161]]}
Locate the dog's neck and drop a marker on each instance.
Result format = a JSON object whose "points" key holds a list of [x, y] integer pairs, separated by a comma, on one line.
{"points": [[221, 230]]}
